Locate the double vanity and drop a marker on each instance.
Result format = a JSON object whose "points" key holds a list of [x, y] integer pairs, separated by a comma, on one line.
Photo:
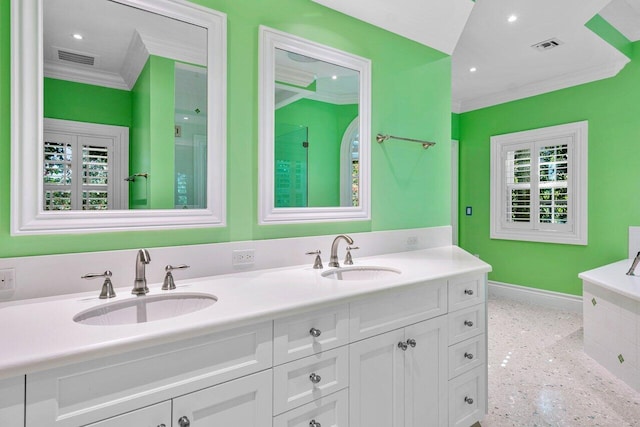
{"points": [[393, 340]]}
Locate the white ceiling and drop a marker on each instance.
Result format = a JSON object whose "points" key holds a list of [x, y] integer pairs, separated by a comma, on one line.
{"points": [[475, 34], [116, 35], [507, 67], [435, 23]]}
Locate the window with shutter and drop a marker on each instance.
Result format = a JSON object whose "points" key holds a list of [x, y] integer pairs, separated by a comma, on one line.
{"points": [[83, 166], [539, 185]]}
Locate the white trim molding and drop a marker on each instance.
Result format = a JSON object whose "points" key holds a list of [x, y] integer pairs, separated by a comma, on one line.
{"points": [[512, 225], [550, 299]]}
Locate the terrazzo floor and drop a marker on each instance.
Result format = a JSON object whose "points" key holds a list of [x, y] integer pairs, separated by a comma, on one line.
{"points": [[539, 374]]}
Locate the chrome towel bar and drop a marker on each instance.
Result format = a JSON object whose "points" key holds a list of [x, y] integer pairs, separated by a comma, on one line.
{"points": [[425, 144]]}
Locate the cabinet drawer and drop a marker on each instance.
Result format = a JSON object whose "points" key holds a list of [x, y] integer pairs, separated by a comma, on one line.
{"points": [[467, 398], [466, 323], [151, 416], [309, 333], [467, 355], [304, 380], [90, 391], [329, 411], [393, 310], [466, 291]]}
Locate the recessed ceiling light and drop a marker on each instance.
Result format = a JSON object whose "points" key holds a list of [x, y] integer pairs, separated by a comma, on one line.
{"points": [[473, 69], [334, 77], [77, 36], [186, 118], [512, 18]]}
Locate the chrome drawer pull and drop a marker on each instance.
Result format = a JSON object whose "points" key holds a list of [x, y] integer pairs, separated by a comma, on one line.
{"points": [[315, 332], [468, 291], [468, 323], [468, 400], [184, 422], [315, 378], [314, 423], [468, 355]]}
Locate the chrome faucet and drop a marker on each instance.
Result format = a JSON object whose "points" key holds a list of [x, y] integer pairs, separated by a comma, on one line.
{"points": [[634, 265], [140, 284], [333, 259]]}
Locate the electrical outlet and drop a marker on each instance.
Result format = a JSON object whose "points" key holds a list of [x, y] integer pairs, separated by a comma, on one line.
{"points": [[412, 241], [243, 257], [7, 279]]}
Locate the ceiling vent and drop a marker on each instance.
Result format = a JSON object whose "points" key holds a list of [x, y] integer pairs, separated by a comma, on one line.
{"points": [[547, 44], [78, 58]]}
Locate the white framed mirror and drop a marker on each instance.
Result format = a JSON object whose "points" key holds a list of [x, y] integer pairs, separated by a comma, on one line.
{"points": [[314, 121], [81, 68]]}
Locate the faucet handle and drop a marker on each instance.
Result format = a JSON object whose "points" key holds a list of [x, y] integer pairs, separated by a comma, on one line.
{"points": [[169, 283], [347, 259], [107, 286], [317, 263]]}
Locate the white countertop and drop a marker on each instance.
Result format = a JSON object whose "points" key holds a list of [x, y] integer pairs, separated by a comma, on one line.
{"points": [[40, 333], [613, 277]]}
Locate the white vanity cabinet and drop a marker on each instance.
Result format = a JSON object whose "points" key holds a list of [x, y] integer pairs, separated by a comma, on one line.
{"points": [[410, 356], [398, 358], [467, 353], [612, 331], [95, 390], [399, 378], [158, 415], [12, 402]]}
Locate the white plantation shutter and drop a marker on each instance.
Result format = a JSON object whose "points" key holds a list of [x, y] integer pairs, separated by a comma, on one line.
{"points": [[79, 172], [538, 185], [96, 161]]}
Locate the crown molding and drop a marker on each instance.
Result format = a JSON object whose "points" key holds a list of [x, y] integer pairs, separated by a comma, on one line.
{"points": [[56, 70], [538, 88]]}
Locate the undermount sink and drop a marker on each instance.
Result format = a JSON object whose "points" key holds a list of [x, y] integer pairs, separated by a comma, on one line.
{"points": [[361, 273], [148, 308]]}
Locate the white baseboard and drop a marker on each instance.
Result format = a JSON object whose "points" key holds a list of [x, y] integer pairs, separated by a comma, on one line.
{"points": [[566, 302]]}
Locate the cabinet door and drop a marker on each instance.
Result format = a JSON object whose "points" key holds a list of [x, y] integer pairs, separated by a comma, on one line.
{"points": [[243, 402], [152, 416], [426, 374], [12, 402], [376, 381]]}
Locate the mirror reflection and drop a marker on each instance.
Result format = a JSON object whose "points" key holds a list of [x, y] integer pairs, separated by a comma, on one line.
{"points": [[316, 133], [125, 107]]}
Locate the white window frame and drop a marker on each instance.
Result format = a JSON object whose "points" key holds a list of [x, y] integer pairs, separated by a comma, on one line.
{"points": [[115, 138], [575, 231]]}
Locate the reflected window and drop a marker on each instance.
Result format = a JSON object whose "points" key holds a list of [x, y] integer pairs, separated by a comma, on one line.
{"points": [[350, 166]]}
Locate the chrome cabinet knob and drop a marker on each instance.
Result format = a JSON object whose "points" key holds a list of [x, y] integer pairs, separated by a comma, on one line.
{"points": [[184, 422], [468, 291], [468, 323], [468, 355], [412, 342], [315, 378], [315, 332], [468, 400], [402, 346], [314, 423], [162, 425]]}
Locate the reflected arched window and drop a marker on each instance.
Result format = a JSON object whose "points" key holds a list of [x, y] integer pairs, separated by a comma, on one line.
{"points": [[350, 165]]}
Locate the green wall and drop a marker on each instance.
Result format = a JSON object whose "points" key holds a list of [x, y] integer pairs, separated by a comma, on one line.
{"points": [[410, 97], [152, 136], [327, 124], [86, 103], [612, 107]]}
